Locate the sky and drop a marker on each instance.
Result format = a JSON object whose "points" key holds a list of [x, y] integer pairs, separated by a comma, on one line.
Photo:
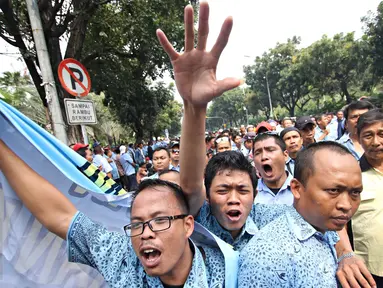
{"points": [[258, 26]]}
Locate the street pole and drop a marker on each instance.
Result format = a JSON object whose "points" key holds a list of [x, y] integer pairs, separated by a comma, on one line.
{"points": [[58, 124], [247, 116], [268, 91]]}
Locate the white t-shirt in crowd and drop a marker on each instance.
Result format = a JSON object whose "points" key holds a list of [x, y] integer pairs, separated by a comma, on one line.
{"points": [[98, 160]]}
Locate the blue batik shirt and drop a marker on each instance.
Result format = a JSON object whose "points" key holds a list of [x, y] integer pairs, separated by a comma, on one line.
{"points": [[289, 252], [259, 216], [112, 254]]}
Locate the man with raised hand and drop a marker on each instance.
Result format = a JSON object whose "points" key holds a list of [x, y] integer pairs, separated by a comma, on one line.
{"points": [[195, 76], [156, 250]]}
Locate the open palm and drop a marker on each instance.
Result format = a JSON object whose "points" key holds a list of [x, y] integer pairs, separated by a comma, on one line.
{"points": [[195, 69]]}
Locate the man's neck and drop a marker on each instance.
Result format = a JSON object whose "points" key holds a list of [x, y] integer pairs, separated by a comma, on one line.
{"points": [[302, 212], [293, 155], [175, 163], [181, 271], [354, 137], [277, 184], [375, 163]]}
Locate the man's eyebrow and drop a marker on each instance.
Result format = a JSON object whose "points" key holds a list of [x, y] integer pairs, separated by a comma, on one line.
{"points": [[152, 215]]}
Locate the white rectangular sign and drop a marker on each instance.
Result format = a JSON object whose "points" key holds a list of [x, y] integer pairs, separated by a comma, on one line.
{"points": [[80, 112]]}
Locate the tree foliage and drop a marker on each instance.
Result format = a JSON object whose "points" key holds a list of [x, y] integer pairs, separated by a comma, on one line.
{"points": [[116, 41], [229, 107], [373, 35], [19, 92]]}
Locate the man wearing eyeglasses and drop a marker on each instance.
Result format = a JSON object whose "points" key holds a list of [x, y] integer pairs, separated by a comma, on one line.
{"points": [[156, 250], [174, 156], [232, 185]]}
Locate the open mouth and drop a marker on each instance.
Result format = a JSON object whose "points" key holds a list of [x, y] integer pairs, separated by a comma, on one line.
{"points": [[268, 170], [234, 215], [150, 257]]}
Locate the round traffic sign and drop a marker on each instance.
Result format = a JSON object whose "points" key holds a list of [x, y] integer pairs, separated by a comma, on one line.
{"points": [[74, 77]]}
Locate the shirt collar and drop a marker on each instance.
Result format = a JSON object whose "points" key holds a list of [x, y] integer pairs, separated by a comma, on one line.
{"points": [[290, 160], [345, 138], [363, 163], [263, 187], [303, 230], [250, 228], [196, 275]]}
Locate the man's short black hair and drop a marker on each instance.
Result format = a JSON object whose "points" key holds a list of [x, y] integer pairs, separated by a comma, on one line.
{"points": [[97, 150], [228, 160], [82, 151], [166, 171], [265, 136], [305, 161], [226, 131], [319, 117], [176, 189], [357, 105], [161, 148], [371, 117], [208, 139]]}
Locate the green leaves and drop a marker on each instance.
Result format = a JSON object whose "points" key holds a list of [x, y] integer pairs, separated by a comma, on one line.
{"points": [[125, 60]]}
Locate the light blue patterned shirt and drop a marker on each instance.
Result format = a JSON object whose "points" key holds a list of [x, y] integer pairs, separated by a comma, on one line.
{"points": [[289, 252], [112, 254], [266, 196], [319, 133], [346, 141], [259, 216]]}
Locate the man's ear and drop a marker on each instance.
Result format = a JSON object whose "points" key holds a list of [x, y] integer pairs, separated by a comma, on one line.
{"points": [[286, 154], [296, 188], [189, 225]]}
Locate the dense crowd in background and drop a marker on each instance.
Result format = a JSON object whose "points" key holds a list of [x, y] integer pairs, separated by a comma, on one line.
{"points": [[326, 170]]}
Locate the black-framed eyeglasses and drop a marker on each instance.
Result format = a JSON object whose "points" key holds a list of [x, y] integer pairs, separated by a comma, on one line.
{"points": [[176, 151], [156, 225]]}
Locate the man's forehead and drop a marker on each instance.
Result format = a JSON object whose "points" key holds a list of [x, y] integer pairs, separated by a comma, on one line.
{"points": [[160, 153], [290, 134], [358, 111], [373, 127], [268, 142], [159, 194]]}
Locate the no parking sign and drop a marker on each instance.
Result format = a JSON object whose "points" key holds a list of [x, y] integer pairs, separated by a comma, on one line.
{"points": [[74, 77]]}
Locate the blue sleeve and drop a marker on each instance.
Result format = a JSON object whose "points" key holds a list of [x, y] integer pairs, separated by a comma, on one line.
{"points": [[203, 213], [264, 264], [263, 214], [91, 244]]}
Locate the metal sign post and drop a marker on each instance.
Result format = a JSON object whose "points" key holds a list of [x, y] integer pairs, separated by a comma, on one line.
{"points": [[76, 81], [80, 112]]}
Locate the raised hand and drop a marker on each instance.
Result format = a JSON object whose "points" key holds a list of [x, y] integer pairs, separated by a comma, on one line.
{"points": [[195, 68]]}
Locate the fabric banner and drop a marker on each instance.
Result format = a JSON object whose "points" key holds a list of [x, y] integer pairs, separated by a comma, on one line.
{"points": [[31, 256]]}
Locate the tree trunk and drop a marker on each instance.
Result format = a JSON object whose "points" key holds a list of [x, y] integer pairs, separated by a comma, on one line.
{"points": [[292, 111], [343, 87]]}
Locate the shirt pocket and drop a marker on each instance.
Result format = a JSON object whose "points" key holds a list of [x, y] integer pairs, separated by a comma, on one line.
{"points": [[367, 201]]}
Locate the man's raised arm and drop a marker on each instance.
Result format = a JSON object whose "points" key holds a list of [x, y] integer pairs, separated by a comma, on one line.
{"points": [[43, 200], [195, 75]]}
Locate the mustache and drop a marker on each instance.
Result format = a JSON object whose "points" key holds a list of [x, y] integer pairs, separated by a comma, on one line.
{"points": [[149, 243]]}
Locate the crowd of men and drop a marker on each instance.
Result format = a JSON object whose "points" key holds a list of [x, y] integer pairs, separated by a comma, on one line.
{"points": [[301, 201]]}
